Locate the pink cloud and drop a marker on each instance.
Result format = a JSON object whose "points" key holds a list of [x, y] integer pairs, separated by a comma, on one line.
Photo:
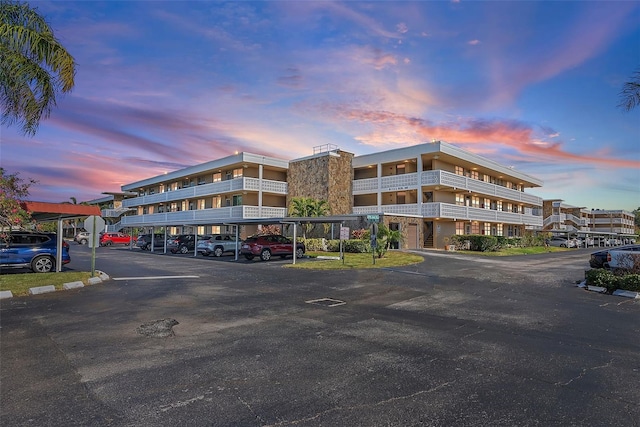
{"points": [[479, 134]]}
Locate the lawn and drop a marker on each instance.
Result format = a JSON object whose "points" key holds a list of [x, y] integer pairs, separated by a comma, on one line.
{"points": [[20, 283]]}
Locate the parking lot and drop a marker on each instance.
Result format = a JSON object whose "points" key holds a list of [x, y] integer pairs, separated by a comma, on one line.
{"points": [[455, 340]]}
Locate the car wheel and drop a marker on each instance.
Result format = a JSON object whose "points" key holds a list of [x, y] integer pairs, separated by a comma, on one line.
{"points": [[265, 255], [299, 253], [184, 249], [217, 251], [109, 243], [249, 257], [42, 264], [147, 247], [83, 241]]}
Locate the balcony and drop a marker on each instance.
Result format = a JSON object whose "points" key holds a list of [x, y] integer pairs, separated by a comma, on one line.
{"points": [[204, 190], [114, 213], [444, 179], [451, 211], [204, 216]]}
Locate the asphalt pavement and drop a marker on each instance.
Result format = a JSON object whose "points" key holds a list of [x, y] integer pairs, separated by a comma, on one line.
{"points": [[455, 340]]}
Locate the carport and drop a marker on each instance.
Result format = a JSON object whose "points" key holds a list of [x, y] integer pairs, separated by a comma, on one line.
{"points": [[336, 219], [48, 212]]}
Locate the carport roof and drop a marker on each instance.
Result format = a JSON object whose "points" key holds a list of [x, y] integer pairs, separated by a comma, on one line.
{"points": [[44, 211]]}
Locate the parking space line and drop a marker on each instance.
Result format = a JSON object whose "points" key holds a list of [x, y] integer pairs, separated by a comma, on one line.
{"points": [[155, 277]]}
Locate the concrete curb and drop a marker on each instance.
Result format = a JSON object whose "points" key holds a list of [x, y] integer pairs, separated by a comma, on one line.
{"points": [[101, 277], [617, 292]]}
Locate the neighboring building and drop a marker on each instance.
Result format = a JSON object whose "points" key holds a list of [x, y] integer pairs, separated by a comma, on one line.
{"points": [[563, 219], [205, 198], [428, 191], [612, 221]]}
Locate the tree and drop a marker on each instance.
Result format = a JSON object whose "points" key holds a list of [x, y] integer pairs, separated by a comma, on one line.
{"points": [[630, 94], [13, 190], [636, 220], [34, 66], [308, 207]]}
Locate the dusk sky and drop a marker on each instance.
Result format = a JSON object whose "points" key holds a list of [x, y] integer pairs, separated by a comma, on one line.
{"points": [[162, 85]]}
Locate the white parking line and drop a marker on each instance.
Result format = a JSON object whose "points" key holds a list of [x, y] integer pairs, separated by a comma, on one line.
{"points": [[155, 277]]}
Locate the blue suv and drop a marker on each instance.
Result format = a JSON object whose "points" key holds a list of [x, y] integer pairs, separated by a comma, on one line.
{"points": [[36, 251]]}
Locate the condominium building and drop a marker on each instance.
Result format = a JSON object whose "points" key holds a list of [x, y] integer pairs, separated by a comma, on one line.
{"points": [[560, 217], [428, 191]]}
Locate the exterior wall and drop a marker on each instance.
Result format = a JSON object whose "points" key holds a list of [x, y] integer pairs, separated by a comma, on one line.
{"points": [[404, 223], [327, 176]]}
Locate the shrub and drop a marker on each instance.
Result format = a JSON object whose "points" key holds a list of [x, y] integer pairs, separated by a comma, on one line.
{"points": [[333, 245], [356, 246], [316, 244], [629, 282], [607, 279], [601, 277]]}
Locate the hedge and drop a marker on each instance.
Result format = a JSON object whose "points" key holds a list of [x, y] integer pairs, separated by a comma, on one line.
{"points": [[611, 281]]}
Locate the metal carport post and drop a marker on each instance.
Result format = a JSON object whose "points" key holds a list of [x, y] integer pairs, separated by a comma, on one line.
{"points": [[237, 228]]}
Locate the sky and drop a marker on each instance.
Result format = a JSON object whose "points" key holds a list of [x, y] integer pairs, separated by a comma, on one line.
{"points": [[162, 85]]}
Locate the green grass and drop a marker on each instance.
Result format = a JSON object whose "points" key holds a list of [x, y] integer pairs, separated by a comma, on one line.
{"points": [[19, 284], [354, 261]]}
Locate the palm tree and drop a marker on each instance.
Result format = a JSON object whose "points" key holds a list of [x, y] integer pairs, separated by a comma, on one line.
{"points": [[308, 207], [34, 66], [630, 93]]}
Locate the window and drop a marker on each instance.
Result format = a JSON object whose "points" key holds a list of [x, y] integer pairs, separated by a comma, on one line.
{"points": [[400, 197], [217, 177], [237, 200], [487, 204], [202, 204], [475, 201], [460, 199], [145, 210], [475, 175], [475, 227], [161, 188], [217, 202], [459, 228], [237, 173], [201, 180], [487, 229], [161, 209], [400, 169], [459, 170], [509, 207], [499, 230], [499, 205], [486, 178], [174, 207]]}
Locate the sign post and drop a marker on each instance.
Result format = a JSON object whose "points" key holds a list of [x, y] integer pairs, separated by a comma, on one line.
{"points": [[92, 224], [344, 235], [374, 219]]}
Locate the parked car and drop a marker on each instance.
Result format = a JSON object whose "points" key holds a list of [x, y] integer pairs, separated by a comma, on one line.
{"points": [[218, 244], [36, 251], [108, 239], [267, 245], [82, 238], [599, 259], [184, 243], [561, 242], [144, 241]]}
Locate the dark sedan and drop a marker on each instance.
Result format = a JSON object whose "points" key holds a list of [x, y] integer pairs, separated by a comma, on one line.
{"points": [[599, 259]]}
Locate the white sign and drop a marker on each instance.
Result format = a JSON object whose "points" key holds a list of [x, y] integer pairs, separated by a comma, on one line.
{"points": [[344, 233]]}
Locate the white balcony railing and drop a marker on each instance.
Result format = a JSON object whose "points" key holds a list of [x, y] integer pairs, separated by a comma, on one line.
{"points": [[451, 211], [440, 178], [204, 216], [221, 187]]}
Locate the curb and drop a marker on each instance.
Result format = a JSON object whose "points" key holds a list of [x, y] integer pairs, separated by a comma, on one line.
{"points": [[617, 292], [101, 277]]}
